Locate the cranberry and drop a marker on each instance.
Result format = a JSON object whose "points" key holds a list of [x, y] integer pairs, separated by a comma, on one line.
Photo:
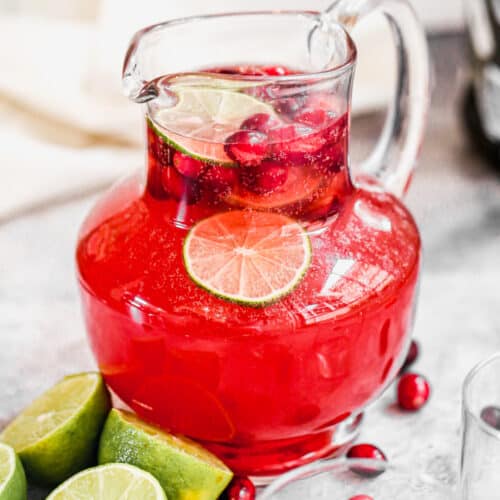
{"points": [[219, 179], [315, 118], [412, 355], [260, 122], [240, 488], [491, 415], [361, 497], [247, 147], [413, 391], [276, 71], [369, 452], [264, 178], [178, 186], [188, 166], [294, 140]]}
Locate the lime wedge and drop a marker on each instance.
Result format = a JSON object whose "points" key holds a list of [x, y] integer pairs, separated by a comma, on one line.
{"points": [[202, 118], [57, 434], [185, 470], [110, 482], [12, 478], [249, 257]]}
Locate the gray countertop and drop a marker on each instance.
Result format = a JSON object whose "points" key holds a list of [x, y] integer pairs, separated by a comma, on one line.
{"points": [[455, 198]]}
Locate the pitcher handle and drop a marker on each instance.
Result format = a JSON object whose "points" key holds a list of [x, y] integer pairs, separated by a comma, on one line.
{"points": [[394, 157]]}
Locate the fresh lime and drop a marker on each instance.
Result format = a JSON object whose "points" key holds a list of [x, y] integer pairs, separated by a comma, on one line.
{"points": [[12, 478], [110, 482], [249, 257], [185, 470], [202, 118], [57, 435]]}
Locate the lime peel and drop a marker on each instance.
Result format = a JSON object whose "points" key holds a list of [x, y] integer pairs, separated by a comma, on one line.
{"points": [[64, 422], [12, 478], [201, 120], [183, 467], [248, 257]]}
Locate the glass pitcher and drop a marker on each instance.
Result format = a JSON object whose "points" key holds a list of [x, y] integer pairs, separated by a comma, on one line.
{"points": [[251, 289]]}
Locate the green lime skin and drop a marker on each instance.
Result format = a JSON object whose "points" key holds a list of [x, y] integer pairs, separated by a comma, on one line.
{"points": [[16, 487], [185, 470], [69, 447]]}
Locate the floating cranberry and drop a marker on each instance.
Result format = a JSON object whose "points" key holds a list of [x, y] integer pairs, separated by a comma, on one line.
{"points": [[178, 186], [361, 497], [260, 122], [412, 355], [292, 143], [491, 415], [219, 179], [188, 166], [247, 147], [240, 488], [265, 178], [368, 452], [315, 118], [276, 71], [413, 391]]}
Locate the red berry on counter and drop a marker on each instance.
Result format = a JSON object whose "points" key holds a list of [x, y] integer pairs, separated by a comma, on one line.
{"points": [[368, 452], [412, 355], [491, 415], [247, 147], [361, 497], [188, 166], [365, 450], [413, 391], [178, 186], [260, 122], [219, 179], [265, 178], [240, 488]]}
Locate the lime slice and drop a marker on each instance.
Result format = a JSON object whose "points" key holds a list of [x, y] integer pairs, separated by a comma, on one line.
{"points": [[249, 257], [110, 482], [184, 469], [57, 434], [203, 118], [12, 478]]}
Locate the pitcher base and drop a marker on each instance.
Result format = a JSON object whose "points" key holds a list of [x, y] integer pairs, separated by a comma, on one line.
{"points": [[266, 461]]}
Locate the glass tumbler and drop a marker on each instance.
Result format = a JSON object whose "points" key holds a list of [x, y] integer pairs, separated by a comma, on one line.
{"points": [[480, 457]]}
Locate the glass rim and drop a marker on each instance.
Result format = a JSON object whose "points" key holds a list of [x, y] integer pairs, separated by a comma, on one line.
{"points": [[332, 72], [326, 465], [466, 388]]}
